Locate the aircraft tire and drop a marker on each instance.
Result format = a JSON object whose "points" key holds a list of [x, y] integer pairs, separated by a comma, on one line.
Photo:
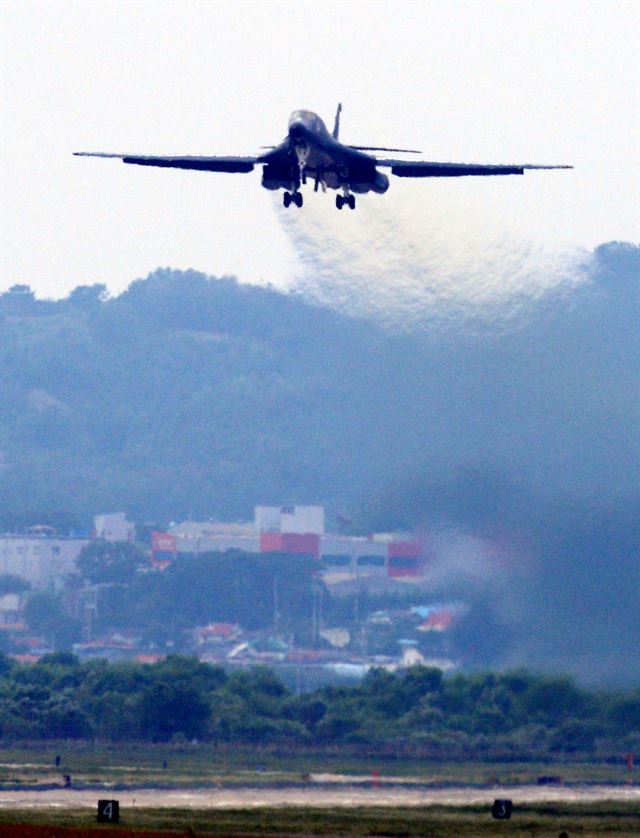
{"points": [[351, 200], [298, 199], [286, 199], [339, 201]]}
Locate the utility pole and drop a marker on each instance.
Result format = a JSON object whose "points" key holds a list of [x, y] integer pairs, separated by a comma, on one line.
{"points": [[276, 614], [314, 613]]}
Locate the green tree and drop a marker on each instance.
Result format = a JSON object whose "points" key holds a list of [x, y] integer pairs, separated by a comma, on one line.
{"points": [[88, 295], [110, 561], [168, 708], [10, 584], [18, 300], [554, 699], [63, 718], [6, 665], [45, 614]]}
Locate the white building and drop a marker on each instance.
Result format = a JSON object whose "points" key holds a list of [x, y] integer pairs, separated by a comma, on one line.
{"points": [[214, 536], [9, 609], [113, 526], [43, 561], [300, 520]]}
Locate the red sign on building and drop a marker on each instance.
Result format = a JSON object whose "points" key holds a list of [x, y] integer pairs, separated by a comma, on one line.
{"points": [[299, 544], [270, 542], [164, 548], [405, 558]]}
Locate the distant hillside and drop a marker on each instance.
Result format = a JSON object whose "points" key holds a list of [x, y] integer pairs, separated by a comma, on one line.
{"points": [[194, 395], [188, 394]]}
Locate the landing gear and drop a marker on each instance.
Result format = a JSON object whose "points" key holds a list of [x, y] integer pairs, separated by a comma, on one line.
{"points": [[349, 200], [302, 154], [292, 198]]}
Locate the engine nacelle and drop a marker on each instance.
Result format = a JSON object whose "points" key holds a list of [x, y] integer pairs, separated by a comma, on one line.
{"points": [[381, 183], [274, 177]]}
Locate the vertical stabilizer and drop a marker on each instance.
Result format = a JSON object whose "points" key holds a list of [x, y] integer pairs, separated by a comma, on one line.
{"points": [[336, 124]]}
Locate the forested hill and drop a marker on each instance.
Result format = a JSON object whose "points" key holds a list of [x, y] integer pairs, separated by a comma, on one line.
{"points": [[187, 394]]}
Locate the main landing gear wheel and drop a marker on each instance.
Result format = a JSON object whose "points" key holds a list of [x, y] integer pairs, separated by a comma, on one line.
{"points": [[348, 200], [295, 198]]}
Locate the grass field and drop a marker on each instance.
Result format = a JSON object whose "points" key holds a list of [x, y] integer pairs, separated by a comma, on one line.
{"points": [[543, 821], [107, 770], [130, 766]]}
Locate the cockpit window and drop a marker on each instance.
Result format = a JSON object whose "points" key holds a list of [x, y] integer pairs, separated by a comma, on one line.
{"points": [[308, 116]]}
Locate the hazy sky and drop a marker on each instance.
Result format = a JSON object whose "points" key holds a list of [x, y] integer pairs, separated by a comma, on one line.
{"points": [[546, 82]]}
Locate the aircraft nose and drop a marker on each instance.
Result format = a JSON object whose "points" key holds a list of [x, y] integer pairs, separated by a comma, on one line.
{"points": [[297, 127]]}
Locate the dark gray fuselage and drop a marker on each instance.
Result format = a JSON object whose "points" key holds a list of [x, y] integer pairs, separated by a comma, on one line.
{"points": [[309, 151]]}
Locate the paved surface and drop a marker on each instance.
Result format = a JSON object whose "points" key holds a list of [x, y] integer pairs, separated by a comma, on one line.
{"points": [[334, 795]]}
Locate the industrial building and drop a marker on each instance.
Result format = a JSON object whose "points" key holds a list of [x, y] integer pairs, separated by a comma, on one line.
{"points": [[44, 558], [299, 530]]}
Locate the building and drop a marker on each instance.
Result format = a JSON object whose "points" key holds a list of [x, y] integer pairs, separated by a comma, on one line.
{"points": [[43, 560], [300, 530], [290, 529], [213, 536], [353, 556], [10, 611], [113, 526], [294, 520]]}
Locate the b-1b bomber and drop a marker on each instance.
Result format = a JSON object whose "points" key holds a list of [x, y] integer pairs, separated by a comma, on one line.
{"points": [[310, 154]]}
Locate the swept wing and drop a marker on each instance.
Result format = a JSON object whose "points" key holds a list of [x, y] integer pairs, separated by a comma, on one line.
{"points": [[203, 164], [383, 148], [424, 168]]}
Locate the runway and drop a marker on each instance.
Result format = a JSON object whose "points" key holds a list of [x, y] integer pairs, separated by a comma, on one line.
{"points": [[326, 795]]}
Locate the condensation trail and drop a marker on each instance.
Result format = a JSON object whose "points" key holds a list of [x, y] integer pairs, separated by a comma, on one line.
{"points": [[431, 254]]}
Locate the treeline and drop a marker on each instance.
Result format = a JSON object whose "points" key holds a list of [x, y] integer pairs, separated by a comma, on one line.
{"points": [[512, 715]]}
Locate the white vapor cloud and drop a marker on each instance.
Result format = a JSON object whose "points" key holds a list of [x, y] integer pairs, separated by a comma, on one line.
{"points": [[429, 253]]}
